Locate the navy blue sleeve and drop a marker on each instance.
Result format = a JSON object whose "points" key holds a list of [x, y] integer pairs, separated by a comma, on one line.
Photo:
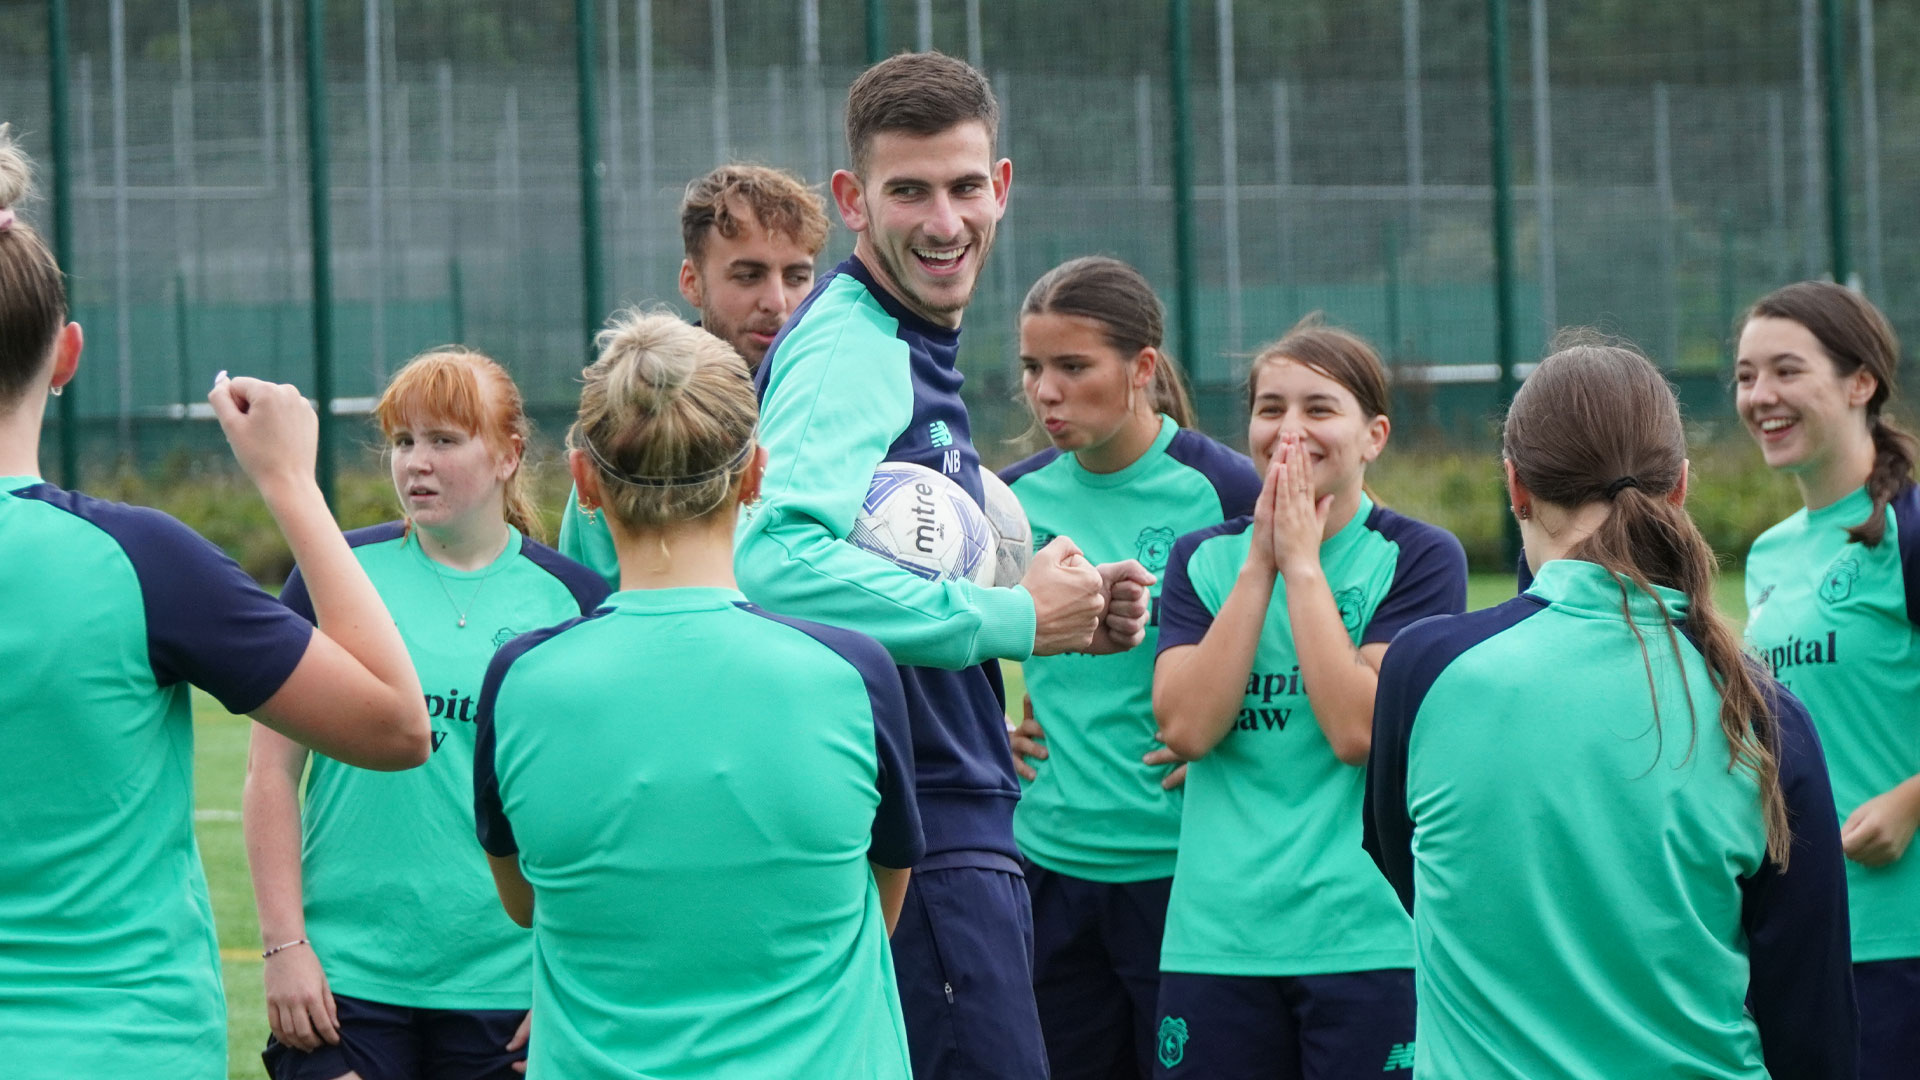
{"points": [[1407, 672], [1184, 618], [1906, 524], [294, 595], [1231, 473], [489, 813], [1028, 465], [589, 589], [208, 623], [898, 840], [1430, 577], [1799, 947]]}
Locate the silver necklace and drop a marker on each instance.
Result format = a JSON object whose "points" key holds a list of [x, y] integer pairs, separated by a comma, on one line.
{"points": [[459, 612]]}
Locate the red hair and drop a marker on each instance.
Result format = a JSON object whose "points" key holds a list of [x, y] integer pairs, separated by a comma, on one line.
{"points": [[470, 391]]}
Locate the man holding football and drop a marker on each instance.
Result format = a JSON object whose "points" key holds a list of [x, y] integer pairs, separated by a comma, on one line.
{"points": [[865, 373]]}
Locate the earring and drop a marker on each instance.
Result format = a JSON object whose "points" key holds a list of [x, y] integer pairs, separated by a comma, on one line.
{"points": [[56, 391], [589, 512], [1521, 512]]}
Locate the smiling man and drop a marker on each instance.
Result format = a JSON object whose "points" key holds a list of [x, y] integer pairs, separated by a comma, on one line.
{"points": [[864, 373]]}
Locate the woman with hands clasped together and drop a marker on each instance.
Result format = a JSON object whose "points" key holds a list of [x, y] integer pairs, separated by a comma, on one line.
{"points": [[110, 965], [1286, 953]]}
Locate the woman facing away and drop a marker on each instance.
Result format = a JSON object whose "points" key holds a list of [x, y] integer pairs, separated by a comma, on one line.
{"points": [[1099, 817], [705, 811], [1833, 595], [1614, 833], [1285, 953], [389, 957], [111, 613]]}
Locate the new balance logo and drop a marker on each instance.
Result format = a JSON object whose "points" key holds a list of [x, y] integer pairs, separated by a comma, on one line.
{"points": [[937, 431], [1400, 1057]]}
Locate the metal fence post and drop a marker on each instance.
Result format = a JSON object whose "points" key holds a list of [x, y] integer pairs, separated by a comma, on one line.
{"points": [[593, 307], [1184, 289], [1836, 141], [320, 215], [62, 133]]}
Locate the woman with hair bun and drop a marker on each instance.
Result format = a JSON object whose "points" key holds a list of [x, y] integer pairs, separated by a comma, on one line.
{"points": [[402, 965], [1833, 608], [1613, 832], [108, 961], [704, 811]]}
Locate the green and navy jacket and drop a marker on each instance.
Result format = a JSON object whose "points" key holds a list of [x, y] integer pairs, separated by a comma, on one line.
{"points": [[855, 379], [108, 961], [399, 903], [1589, 880], [1839, 624], [1094, 811]]}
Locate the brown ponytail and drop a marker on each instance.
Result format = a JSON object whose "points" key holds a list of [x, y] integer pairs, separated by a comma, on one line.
{"points": [[1599, 422], [1855, 335]]}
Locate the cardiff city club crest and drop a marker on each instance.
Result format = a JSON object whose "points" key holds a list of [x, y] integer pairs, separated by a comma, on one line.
{"points": [[1153, 547], [1349, 600], [504, 635], [1837, 585], [1173, 1041]]}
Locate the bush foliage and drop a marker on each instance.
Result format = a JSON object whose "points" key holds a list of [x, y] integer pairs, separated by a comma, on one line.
{"points": [[1733, 497]]}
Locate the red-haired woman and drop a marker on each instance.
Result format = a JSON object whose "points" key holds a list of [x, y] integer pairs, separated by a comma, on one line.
{"points": [[388, 955]]}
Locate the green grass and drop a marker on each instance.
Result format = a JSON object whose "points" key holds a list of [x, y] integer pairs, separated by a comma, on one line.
{"points": [[220, 760]]}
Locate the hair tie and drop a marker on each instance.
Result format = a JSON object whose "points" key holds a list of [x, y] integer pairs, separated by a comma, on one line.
{"points": [[693, 480], [1618, 485]]}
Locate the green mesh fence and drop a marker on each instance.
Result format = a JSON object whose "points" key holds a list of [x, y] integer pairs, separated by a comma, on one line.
{"points": [[1668, 160]]}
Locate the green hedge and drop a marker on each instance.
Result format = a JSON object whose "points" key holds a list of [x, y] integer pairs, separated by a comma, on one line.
{"points": [[1734, 497], [1732, 494]]}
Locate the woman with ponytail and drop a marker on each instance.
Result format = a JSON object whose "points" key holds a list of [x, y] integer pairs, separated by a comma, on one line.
{"points": [[1833, 608], [108, 613], [1099, 817], [405, 967], [703, 810], [1614, 834]]}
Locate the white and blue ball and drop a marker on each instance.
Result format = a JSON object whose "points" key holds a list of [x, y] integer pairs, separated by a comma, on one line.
{"points": [[1012, 533], [925, 524]]}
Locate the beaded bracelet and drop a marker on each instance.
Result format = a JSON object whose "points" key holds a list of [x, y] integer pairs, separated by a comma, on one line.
{"points": [[283, 947]]}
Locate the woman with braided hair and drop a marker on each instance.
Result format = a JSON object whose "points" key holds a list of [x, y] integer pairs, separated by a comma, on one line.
{"points": [[1833, 608]]}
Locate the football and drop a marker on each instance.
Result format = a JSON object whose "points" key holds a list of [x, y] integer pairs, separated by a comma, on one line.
{"points": [[924, 523], [1012, 535]]}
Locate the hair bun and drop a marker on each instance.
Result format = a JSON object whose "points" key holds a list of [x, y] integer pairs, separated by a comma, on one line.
{"points": [[644, 367]]}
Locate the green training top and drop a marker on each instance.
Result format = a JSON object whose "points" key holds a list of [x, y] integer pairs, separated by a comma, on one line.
{"points": [[1095, 811], [694, 788], [1835, 621], [108, 962], [589, 543], [400, 905], [1271, 878], [1590, 889]]}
